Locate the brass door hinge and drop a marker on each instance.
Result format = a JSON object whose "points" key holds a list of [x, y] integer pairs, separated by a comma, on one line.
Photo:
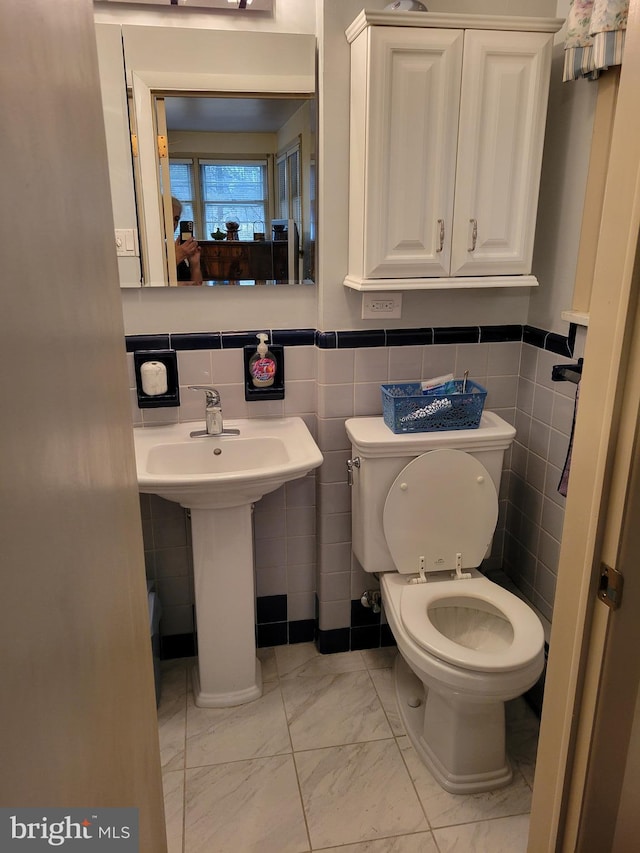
{"points": [[162, 147], [134, 144], [611, 584]]}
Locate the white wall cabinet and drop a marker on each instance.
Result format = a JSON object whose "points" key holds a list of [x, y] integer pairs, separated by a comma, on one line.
{"points": [[446, 137]]}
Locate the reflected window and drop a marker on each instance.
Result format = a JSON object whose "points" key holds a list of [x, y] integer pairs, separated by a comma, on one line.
{"points": [[234, 190], [227, 190], [289, 184], [182, 187]]}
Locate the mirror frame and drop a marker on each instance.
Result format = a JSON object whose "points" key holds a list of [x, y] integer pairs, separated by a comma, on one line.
{"points": [[172, 61]]}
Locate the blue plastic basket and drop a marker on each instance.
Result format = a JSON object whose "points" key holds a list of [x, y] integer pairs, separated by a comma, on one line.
{"points": [[406, 409]]}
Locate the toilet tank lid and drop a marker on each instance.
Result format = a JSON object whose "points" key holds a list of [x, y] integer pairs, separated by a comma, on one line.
{"points": [[371, 437]]}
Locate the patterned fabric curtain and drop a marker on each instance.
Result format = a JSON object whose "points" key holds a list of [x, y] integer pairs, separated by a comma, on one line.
{"points": [[595, 37]]}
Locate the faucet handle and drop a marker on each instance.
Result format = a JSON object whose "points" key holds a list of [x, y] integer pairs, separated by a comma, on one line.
{"points": [[212, 394]]}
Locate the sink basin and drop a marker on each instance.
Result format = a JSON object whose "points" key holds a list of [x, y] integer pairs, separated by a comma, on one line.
{"points": [[225, 470], [222, 456], [219, 478]]}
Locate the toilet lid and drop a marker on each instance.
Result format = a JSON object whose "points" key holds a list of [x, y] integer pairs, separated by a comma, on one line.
{"points": [[441, 504]]}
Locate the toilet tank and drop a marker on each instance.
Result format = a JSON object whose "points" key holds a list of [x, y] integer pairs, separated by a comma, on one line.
{"points": [[380, 455]]}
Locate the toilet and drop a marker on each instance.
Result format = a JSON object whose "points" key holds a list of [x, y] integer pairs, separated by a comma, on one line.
{"points": [[424, 511]]}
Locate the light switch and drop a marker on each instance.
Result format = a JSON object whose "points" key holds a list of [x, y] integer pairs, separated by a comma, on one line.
{"points": [[127, 243]]}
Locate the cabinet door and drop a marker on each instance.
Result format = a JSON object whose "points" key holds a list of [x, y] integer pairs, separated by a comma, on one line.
{"points": [[403, 165], [502, 117]]}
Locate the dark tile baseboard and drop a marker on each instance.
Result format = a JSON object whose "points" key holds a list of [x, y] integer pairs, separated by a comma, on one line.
{"points": [[178, 646], [366, 632], [271, 608], [274, 629], [274, 634], [354, 639]]}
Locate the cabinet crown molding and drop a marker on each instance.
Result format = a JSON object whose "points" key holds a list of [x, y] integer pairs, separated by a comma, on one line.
{"points": [[442, 20]]}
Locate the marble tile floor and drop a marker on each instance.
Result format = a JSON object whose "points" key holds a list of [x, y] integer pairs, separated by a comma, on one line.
{"points": [[321, 762]]}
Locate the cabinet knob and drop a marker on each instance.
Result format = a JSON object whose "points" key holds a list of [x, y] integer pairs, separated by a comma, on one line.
{"points": [[440, 235], [474, 234]]}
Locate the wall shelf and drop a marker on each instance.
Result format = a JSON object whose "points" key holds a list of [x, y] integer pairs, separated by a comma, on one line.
{"points": [[458, 283], [580, 318]]}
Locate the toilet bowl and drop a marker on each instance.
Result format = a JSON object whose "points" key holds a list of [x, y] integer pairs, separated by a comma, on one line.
{"points": [[424, 515], [463, 654]]}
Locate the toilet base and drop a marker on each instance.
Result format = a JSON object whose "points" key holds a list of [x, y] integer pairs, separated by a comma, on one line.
{"points": [[461, 743]]}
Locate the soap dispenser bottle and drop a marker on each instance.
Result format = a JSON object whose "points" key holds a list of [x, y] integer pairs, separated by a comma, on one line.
{"points": [[262, 365]]}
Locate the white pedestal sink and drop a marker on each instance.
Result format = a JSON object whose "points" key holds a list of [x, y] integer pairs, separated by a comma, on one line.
{"points": [[218, 478]]}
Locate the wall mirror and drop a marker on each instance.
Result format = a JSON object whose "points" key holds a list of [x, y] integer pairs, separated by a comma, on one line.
{"points": [[224, 122], [237, 179]]}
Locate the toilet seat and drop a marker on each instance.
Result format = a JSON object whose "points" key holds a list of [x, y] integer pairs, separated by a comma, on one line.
{"points": [[502, 631], [440, 512]]}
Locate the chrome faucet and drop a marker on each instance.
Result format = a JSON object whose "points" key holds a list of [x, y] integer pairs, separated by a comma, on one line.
{"points": [[213, 413]]}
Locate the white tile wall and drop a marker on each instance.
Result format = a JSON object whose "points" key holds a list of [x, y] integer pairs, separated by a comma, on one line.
{"points": [[303, 531], [536, 509], [168, 561]]}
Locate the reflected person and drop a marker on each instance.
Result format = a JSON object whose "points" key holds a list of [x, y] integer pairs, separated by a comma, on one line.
{"points": [[188, 267]]}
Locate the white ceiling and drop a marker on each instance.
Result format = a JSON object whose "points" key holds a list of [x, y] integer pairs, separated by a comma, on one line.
{"points": [[230, 115]]}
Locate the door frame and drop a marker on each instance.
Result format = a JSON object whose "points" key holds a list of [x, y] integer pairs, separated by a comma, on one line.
{"points": [[571, 754]]}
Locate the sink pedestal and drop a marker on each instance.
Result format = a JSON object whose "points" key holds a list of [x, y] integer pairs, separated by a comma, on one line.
{"points": [[219, 478], [228, 671]]}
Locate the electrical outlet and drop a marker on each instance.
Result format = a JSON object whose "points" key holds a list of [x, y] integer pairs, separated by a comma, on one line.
{"points": [[387, 306]]}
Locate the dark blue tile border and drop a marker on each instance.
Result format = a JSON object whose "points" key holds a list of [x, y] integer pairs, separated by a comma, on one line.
{"points": [[500, 334], [535, 337], [409, 337], [135, 343], [326, 340], [364, 338], [550, 341], [196, 340], [558, 344], [294, 337], [457, 335], [239, 339], [354, 338]]}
